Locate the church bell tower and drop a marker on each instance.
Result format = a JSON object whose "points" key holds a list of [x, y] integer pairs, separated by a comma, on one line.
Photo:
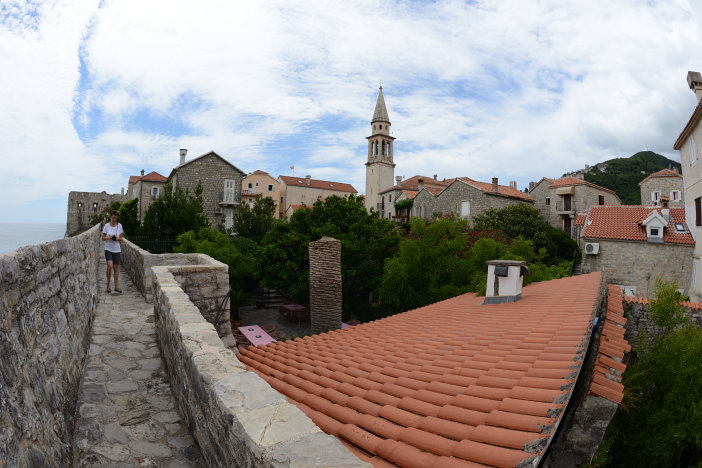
{"points": [[380, 168]]}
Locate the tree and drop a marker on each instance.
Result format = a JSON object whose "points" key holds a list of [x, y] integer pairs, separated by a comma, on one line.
{"points": [[175, 212], [255, 222], [128, 215], [366, 241]]}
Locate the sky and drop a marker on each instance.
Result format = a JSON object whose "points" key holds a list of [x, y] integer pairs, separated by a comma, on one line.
{"points": [[94, 91]]}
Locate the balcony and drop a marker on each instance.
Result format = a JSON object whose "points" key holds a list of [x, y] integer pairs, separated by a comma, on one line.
{"points": [[565, 207], [229, 198], [251, 191]]}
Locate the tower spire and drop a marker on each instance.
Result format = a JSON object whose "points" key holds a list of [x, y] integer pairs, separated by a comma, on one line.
{"points": [[381, 113]]}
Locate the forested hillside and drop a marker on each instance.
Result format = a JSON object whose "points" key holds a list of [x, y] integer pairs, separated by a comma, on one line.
{"points": [[624, 174]]}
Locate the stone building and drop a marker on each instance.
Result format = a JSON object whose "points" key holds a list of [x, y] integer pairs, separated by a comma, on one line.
{"points": [[404, 189], [466, 198], [380, 168], [634, 245], [262, 183], [665, 183], [83, 205], [298, 191], [561, 200], [146, 188], [221, 184]]}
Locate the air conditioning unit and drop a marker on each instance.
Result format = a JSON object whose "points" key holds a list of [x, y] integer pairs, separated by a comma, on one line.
{"points": [[592, 248]]}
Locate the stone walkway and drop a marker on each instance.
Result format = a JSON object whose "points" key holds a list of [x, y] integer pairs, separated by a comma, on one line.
{"points": [[127, 413]]}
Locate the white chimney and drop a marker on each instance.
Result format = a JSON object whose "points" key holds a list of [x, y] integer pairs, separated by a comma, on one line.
{"points": [[504, 280], [398, 179], [307, 179], [513, 184], [183, 152], [694, 81]]}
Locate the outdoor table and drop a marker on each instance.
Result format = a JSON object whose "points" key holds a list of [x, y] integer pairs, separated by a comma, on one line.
{"points": [[296, 311], [256, 335]]}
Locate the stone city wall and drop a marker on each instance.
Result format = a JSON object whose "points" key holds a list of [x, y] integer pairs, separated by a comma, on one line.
{"points": [[83, 205], [638, 264], [48, 297], [235, 416], [639, 323]]}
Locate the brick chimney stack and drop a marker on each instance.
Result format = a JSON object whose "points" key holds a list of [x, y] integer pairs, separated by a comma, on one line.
{"points": [[325, 284], [420, 184], [494, 184], [694, 81]]}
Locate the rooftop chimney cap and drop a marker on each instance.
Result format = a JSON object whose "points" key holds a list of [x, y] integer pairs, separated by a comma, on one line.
{"points": [[504, 281], [142, 172], [183, 152], [694, 78], [494, 184], [307, 179]]}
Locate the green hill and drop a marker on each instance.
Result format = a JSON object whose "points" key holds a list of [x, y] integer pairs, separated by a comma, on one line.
{"points": [[624, 174]]}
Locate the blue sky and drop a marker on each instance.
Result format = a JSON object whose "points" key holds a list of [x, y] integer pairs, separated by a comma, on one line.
{"points": [[94, 91]]}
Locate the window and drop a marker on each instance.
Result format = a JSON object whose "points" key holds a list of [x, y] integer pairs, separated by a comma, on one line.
{"points": [[655, 197], [154, 191], [465, 209], [675, 195], [693, 151], [80, 204], [654, 232], [250, 185], [601, 199], [698, 211], [270, 187], [256, 184], [694, 273], [95, 206], [228, 191], [548, 201], [389, 198]]}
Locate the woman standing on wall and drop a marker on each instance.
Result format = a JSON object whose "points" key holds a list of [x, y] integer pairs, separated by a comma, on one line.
{"points": [[112, 234]]}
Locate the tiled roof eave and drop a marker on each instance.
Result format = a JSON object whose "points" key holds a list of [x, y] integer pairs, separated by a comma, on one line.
{"points": [[686, 242]]}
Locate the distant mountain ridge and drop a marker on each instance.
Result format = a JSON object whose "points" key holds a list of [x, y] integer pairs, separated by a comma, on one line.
{"points": [[622, 175]]}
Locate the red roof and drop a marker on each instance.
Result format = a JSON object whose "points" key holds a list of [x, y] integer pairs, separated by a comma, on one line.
{"points": [[694, 119], [607, 376], [505, 190], [412, 183], [152, 176], [624, 223], [566, 181], [318, 184], [410, 193], [580, 219], [454, 383], [643, 300], [663, 173], [260, 172]]}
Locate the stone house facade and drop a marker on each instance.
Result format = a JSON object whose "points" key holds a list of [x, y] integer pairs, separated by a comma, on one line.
{"points": [[688, 142], [83, 205], [635, 245], [221, 184], [146, 188], [665, 183], [568, 196], [407, 188], [298, 191], [466, 198], [262, 183]]}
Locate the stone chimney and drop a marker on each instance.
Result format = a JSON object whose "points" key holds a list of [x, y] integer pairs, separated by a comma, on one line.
{"points": [[675, 169], [665, 210], [122, 190], [398, 180], [435, 176], [142, 172], [494, 184], [420, 184], [694, 81], [325, 284], [513, 184], [531, 186], [308, 178], [504, 281], [183, 152]]}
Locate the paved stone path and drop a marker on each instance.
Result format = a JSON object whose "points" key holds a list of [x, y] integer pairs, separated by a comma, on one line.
{"points": [[127, 413]]}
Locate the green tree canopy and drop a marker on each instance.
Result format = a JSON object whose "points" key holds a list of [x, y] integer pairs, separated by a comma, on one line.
{"points": [[366, 241], [128, 215], [256, 221], [175, 212]]}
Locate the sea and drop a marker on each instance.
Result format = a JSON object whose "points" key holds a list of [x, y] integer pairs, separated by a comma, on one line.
{"points": [[15, 235]]}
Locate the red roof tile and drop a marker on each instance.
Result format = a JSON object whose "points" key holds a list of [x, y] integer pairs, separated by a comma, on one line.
{"points": [[566, 181], [662, 173], [317, 184], [624, 223], [580, 219], [643, 300], [504, 190], [152, 176], [455, 383], [412, 183]]}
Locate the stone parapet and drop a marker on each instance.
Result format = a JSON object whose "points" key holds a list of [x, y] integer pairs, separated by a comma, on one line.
{"points": [[235, 416], [48, 297]]}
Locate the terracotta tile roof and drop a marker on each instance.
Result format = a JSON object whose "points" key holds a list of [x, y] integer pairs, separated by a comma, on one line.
{"points": [[152, 176], [580, 219], [624, 223], [607, 376], [691, 124], [454, 383], [412, 183], [662, 173], [260, 172], [643, 300], [504, 190], [566, 181], [410, 194], [318, 184]]}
